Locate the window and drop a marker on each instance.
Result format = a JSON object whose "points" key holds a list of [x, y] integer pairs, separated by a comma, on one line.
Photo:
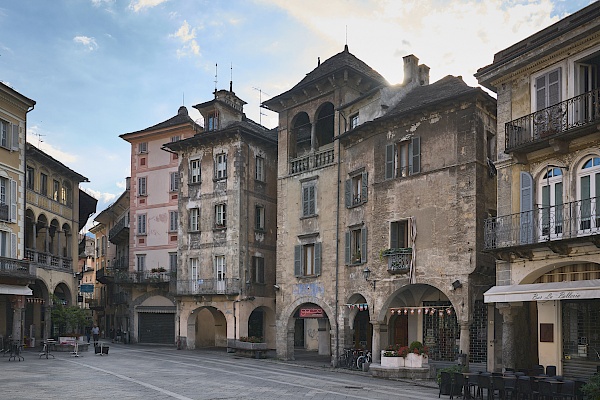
{"points": [[68, 195], [195, 171], [141, 262], [194, 274], [173, 216], [356, 189], [9, 135], [141, 224], [260, 169], [43, 184], [55, 189], [8, 244], [220, 215], [551, 199], [143, 148], [4, 133], [259, 269], [588, 193], [221, 166], [403, 159], [220, 274], [259, 212], [30, 178], [309, 190], [104, 245], [174, 185], [548, 120], [172, 262], [142, 182], [399, 237], [354, 121], [212, 122], [174, 138], [194, 219], [356, 246], [8, 200], [307, 260]]}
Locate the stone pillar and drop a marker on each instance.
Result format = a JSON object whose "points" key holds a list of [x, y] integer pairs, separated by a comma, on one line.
{"points": [[465, 339], [313, 136], [58, 253], [376, 342], [508, 312], [324, 342], [18, 306]]}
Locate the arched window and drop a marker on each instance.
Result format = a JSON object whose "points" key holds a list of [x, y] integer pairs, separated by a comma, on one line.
{"points": [[588, 190], [550, 199], [325, 123], [300, 135]]}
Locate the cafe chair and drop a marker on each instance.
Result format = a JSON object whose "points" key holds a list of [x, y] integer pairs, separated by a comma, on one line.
{"points": [[525, 389], [567, 390], [538, 370], [445, 382], [472, 383], [551, 370], [510, 388], [497, 386], [458, 383], [547, 390], [484, 381]]}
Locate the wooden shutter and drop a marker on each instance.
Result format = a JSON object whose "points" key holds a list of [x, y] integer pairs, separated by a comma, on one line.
{"points": [[347, 247], [416, 155], [298, 260], [13, 245], [363, 245], [13, 200], [317, 263], [540, 93], [348, 192], [305, 201], [15, 137], [526, 222], [554, 87], [547, 89], [394, 235], [312, 209], [365, 187], [389, 161]]}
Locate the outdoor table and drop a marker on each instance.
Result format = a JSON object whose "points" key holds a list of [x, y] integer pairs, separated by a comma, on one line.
{"points": [[46, 349], [467, 391], [15, 351]]}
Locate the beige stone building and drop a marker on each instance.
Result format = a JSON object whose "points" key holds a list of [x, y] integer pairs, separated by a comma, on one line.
{"points": [[227, 228], [154, 221], [382, 194], [545, 234]]}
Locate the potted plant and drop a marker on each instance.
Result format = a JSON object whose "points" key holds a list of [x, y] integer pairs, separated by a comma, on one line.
{"points": [[592, 388], [417, 355], [394, 356]]}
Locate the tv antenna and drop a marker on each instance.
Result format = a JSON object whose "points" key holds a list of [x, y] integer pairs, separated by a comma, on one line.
{"points": [[39, 136], [260, 113], [216, 80]]}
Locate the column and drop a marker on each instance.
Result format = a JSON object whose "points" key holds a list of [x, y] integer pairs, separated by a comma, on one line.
{"points": [[508, 312], [313, 136], [376, 342], [18, 307], [465, 339]]}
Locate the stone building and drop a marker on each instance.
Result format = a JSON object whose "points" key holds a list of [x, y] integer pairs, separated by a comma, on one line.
{"points": [[227, 228], [382, 193], [545, 234], [15, 272], [154, 220]]}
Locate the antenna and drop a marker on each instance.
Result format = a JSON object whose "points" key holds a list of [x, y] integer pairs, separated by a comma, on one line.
{"points": [[183, 99], [346, 35], [216, 74], [260, 113], [39, 136], [231, 78]]}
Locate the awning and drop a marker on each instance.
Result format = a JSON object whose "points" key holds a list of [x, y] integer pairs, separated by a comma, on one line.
{"points": [[15, 289], [575, 290], [156, 309]]}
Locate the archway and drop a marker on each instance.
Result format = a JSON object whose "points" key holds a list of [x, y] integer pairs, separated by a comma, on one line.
{"points": [[360, 333], [207, 327], [311, 329]]}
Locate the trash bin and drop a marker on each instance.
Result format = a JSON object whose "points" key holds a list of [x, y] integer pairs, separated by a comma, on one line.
{"points": [[462, 359]]}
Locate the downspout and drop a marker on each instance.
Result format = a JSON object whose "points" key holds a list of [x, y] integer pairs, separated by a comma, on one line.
{"points": [[337, 249]]}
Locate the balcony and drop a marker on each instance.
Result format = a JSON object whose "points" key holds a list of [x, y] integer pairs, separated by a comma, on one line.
{"points": [[566, 120], [4, 212], [120, 232], [208, 286], [318, 159], [49, 261], [146, 277], [399, 260], [11, 267], [105, 276], [119, 298], [554, 227], [120, 263]]}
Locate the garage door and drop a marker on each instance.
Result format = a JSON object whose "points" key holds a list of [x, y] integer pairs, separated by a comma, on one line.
{"points": [[156, 328]]}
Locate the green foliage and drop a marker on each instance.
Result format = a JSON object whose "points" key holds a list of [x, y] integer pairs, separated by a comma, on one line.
{"points": [[417, 347], [592, 388], [70, 318], [451, 370]]}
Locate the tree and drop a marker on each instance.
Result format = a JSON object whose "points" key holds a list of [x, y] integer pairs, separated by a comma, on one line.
{"points": [[71, 318]]}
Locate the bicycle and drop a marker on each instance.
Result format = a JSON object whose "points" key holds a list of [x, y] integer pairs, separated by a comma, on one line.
{"points": [[364, 358]]}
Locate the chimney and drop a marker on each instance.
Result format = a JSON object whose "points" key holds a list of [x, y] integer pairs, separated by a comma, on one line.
{"points": [[411, 68], [423, 75]]}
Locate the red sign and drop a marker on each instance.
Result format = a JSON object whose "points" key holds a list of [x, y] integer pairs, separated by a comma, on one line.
{"points": [[313, 312]]}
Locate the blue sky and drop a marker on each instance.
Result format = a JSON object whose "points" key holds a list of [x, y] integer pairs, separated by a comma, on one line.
{"points": [[101, 68]]}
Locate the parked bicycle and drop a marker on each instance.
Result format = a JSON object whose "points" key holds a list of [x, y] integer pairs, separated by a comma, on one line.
{"points": [[362, 359]]}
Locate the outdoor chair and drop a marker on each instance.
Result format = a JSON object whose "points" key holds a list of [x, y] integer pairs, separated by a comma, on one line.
{"points": [[484, 381], [445, 382], [525, 389], [510, 387], [567, 389], [498, 386], [551, 370], [458, 383]]}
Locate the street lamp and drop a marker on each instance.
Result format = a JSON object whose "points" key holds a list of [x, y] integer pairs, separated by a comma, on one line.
{"points": [[366, 275]]}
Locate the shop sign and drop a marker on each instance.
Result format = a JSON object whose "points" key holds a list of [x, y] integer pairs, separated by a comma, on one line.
{"points": [[312, 312], [556, 296]]}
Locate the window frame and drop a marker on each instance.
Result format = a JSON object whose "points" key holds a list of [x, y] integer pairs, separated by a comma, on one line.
{"points": [[195, 171], [221, 166], [55, 190], [354, 121], [403, 159], [220, 215], [174, 182], [143, 148], [302, 255], [172, 261], [142, 186], [258, 263], [194, 220], [30, 177], [309, 199], [173, 220], [142, 224], [356, 245], [260, 168], [259, 217], [356, 189], [44, 184], [140, 262]]}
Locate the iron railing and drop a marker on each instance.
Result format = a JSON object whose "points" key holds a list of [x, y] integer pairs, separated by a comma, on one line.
{"points": [[142, 277], [16, 268], [208, 286], [543, 224], [553, 121], [398, 260]]}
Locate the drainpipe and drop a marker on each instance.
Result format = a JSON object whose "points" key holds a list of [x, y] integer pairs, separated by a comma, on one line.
{"points": [[337, 248]]}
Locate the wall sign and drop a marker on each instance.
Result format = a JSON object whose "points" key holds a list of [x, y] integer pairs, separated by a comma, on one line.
{"points": [[547, 333]]}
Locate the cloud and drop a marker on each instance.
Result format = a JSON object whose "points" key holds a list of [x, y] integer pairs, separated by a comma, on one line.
{"points": [[100, 196], [54, 152], [187, 36], [99, 3], [138, 5], [88, 42]]}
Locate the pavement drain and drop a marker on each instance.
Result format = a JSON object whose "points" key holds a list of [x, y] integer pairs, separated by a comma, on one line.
{"points": [[353, 387]]}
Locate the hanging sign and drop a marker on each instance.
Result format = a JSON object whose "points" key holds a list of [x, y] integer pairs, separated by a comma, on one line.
{"points": [[312, 312], [86, 288]]}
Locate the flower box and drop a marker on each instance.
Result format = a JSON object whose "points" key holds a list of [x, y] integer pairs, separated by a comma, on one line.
{"points": [[392, 362], [238, 344], [415, 360]]}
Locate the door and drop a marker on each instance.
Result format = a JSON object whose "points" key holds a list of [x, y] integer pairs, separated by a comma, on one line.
{"points": [[551, 213], [401, 330], [299, 333], [549, 113], [220, 274], [585, 97], [156, 328]]}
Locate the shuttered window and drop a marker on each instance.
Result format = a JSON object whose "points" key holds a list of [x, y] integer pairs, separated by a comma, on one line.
{"points": [[403, 159], [356, 246], [547, 89], [307, 260], [309, 199], [356, 189]]}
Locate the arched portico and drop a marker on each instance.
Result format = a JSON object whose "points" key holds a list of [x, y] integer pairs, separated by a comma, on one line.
{"points": [[206, 327]]}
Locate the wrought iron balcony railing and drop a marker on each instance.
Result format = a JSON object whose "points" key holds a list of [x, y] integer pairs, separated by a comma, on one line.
{"points": [[398, 260], [554, 121], [124, 277], [16, 268], [544, 224], [119, 232], [208, 286]]}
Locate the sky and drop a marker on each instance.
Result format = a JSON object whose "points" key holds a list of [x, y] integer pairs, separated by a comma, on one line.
{"points": [[101, 68]]}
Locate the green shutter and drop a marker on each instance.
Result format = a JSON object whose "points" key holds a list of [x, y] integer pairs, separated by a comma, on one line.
{"points": [[347, 251], [363, 245], [298, 260], [526, 221], [317, 263], [389, 161], [348, 192], [305, 209], [312, 209], [416, 155], [365, 187]]}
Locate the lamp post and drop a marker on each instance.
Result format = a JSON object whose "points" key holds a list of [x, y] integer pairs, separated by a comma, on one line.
{"points": [[366, 275]]}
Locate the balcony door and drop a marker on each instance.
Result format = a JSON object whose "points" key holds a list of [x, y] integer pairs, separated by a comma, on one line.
{"points": [[588, 191], [548, 119], [194, 274], [220, 274], [586, 82], [551, 200]]}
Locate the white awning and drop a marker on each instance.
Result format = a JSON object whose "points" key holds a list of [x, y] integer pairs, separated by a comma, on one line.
{"points": [[15, 289], [575, 290], [156, 309]]}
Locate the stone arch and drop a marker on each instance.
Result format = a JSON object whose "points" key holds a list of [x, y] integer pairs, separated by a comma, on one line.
{"points": [[358, 330], [206, 327], [300, 134], [324, 124], [265, 317]]}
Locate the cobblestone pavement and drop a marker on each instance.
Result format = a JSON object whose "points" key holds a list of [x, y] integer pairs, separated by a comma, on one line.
{"points": [[150, 372]]}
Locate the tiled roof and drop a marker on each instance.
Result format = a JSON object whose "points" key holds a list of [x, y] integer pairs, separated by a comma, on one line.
{"points": [[181, 118]]}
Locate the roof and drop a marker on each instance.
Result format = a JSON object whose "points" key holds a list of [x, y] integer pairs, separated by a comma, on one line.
{"points": [[340, 61], [87, 207], [26, 100], [182, 118], [34, 152]]}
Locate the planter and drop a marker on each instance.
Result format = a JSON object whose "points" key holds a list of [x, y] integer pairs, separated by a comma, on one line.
{"points": [[236, 344], [415, 360], [392, 362]]}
